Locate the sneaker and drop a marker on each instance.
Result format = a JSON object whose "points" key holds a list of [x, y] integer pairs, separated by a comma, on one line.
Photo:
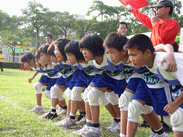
{"points": [[81, 119], [112, 126], [116, 129], [166, 128], [92, 133], [37, 109], [152, 134], [69, 123], [61, 111], [51, 116], [143, 124], [60, 123], [82, 130]]}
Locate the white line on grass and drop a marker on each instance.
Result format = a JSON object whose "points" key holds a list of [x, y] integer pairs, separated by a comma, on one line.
{"points": [[15, 105]]}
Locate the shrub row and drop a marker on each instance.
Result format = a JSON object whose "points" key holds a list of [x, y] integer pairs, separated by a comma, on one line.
{"points": [[13, 65]]}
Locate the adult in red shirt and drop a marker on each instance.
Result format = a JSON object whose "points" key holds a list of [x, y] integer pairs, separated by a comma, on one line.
{"points": [[164, 29]]}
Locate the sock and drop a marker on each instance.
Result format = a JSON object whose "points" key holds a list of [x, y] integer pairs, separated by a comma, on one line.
{"points": [[72, 116], [122, 135], [95, 125], [159, 131], [53, 110], [82, 113], [64, 107], [88, 121], [117, 120], [38, 106]]}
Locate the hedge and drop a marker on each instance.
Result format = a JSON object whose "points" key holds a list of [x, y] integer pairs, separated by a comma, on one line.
{"points": [[13, 65]]}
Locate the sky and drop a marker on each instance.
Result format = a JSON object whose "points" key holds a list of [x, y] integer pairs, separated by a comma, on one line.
{"points": [[13, 7]]}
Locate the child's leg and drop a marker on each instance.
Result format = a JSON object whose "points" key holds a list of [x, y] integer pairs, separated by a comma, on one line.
{"points": [[134, 109], [56, 90], [68, 96], [176, 120], [38, 88], [124, 100], [75, 100]]}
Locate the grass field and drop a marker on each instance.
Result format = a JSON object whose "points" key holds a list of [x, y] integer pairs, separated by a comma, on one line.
{"points": [[17, 97]]}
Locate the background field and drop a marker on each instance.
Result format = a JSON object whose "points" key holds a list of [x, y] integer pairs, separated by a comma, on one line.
{"points": [[17, 97]]}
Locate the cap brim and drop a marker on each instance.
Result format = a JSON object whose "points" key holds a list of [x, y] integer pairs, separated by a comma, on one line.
{"points": [[156, 6]]}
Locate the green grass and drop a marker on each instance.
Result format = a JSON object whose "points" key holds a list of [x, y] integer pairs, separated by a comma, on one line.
{"points": [[17, 97]]}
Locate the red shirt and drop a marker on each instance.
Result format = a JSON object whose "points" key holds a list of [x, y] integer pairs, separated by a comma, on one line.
{"points": [[163, 32]]}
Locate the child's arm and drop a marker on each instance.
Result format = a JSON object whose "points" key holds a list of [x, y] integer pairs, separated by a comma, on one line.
{"points": [[171, 107], [30, 79], [170, 59]]}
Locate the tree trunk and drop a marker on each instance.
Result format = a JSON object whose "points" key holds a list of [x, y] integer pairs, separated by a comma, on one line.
{"points": [[37, 40]]}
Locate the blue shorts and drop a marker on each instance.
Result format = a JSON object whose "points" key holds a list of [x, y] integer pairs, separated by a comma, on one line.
{"points": [[133, 84], [49, 81], [104, 80], [83, 79], [154, 97], [73, 79], [64, 81]]}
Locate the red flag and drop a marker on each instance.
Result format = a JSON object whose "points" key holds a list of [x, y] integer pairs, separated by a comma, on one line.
{"points": [[135, 4], [124, 2]]}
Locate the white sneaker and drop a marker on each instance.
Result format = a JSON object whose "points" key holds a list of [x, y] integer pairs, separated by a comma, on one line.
{"points": [[37, 109], [82, 130], [92, 132], [81, 121], [115, 129], [60, 123], [61, 111], [152, 134], [112, 126], [69, 123]]}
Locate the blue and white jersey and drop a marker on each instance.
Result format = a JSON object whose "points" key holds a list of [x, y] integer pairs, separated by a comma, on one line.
{"points": [[114, 71], [151, 80], [38, 69], [65, 69], [173, 78], [131, 72], [51, 71], [89, 68]]}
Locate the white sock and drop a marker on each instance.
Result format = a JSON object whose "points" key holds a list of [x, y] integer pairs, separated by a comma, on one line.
{"points": [[88, 121], [122, 135]]}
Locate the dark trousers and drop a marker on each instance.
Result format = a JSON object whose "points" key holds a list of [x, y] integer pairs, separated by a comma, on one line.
{"points": [[1, 65]]}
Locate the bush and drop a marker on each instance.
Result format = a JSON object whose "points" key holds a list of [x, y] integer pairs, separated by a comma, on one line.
{"points": [[13, 65]]}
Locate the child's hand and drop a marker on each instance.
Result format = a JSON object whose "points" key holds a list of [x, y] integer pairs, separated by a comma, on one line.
{"points": [[30, 79], [171, 63], [171, 107]]}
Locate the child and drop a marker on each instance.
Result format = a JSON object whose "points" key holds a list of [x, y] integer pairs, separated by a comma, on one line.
{"points": [[29, 60], [113, 44], [63, 107], [63, 82], [92, 48], [141, 52], [73, 57]]}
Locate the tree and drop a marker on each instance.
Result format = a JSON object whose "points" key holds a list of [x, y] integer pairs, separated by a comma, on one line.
{"points": [[36, 16], [64, 23], [104, 10], [13, 35]]}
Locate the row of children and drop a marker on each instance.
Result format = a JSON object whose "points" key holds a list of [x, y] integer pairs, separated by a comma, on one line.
{"points": [[102, 70]]}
